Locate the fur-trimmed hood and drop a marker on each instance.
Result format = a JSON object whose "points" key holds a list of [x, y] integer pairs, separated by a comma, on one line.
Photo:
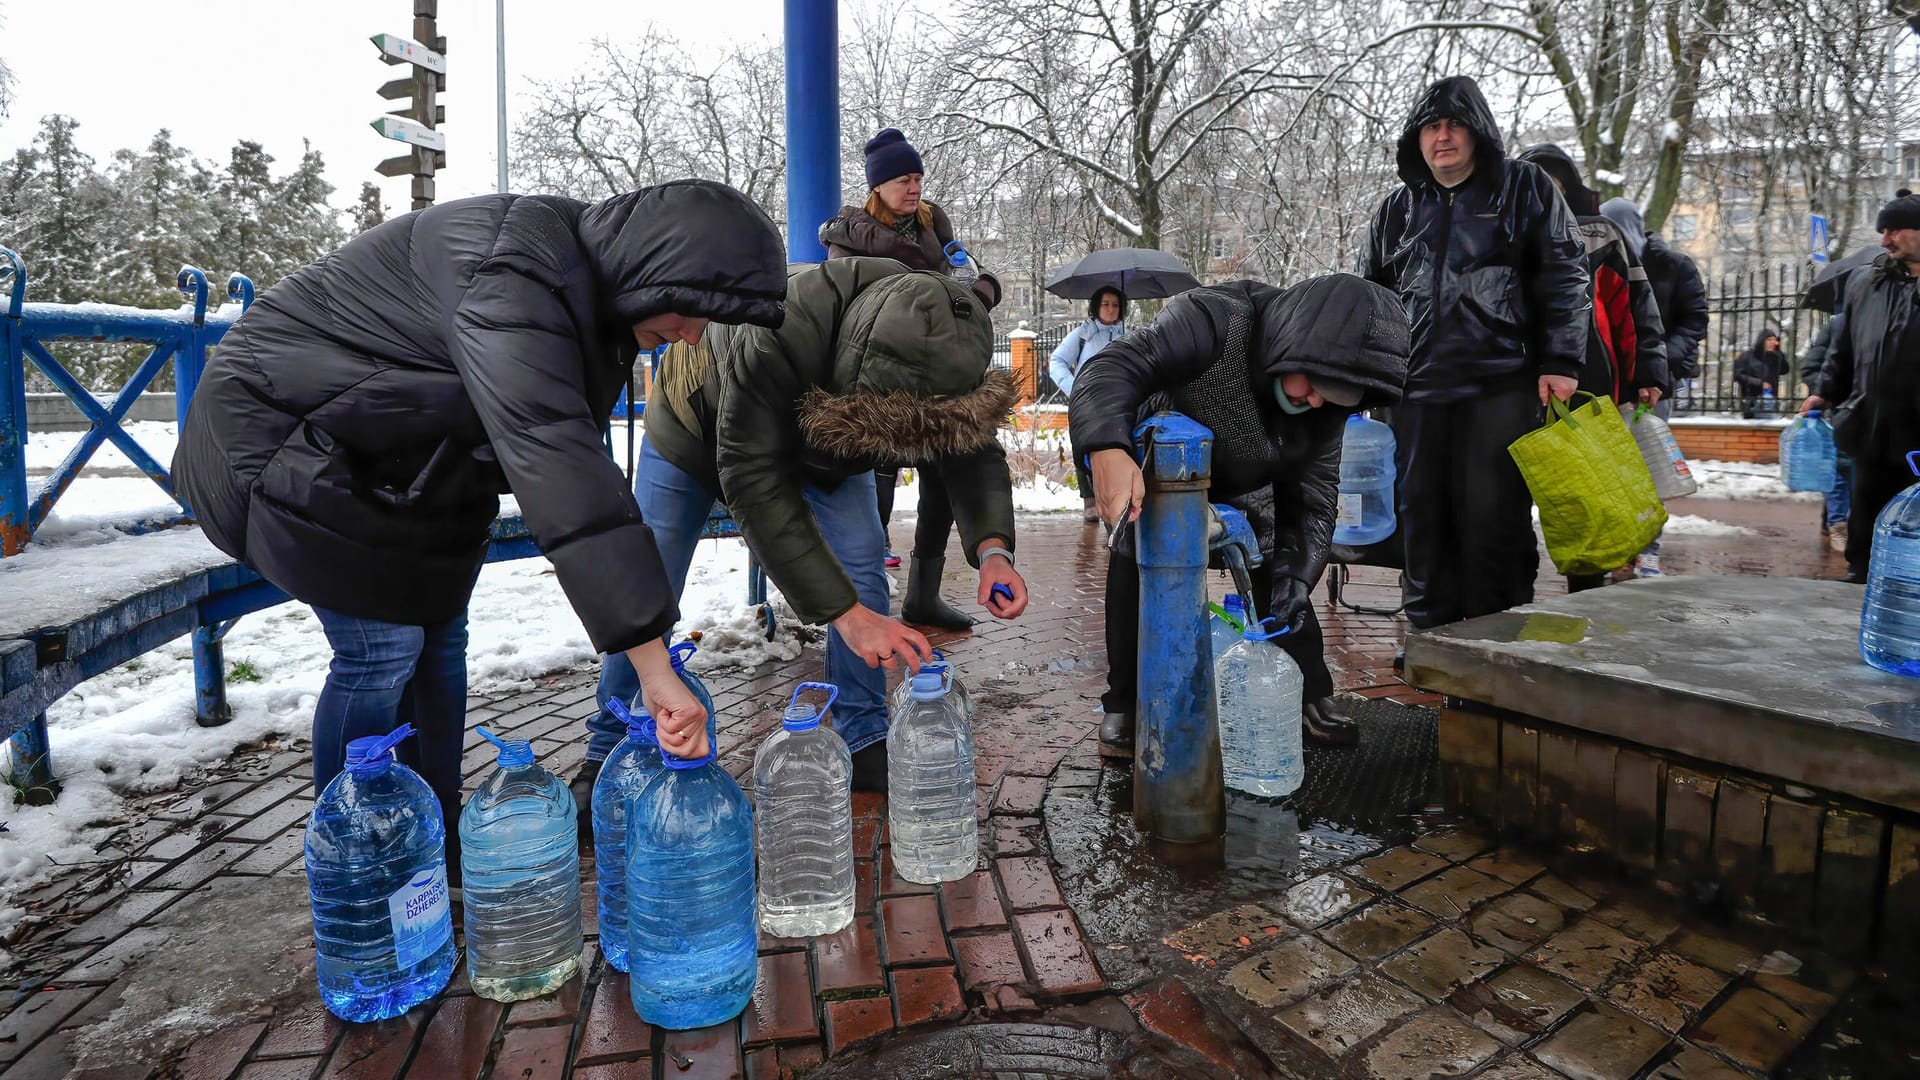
{"points": [[901, 427]]}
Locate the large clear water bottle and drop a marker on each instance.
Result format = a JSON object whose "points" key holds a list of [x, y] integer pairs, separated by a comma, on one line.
{"points": [[633, 762], [678, 657], [803, 822], [1890, 618], [1365, 511], [520, 871], [377, 873], [1259, 688], [1227, 631], [1672, 478], [902, 696], [1807, 456], [930, 785], [965, 270], [691, 938]]}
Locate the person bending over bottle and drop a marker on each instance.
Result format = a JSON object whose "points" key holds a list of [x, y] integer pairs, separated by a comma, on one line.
{"points": [[1274, 374], [875, 363]]}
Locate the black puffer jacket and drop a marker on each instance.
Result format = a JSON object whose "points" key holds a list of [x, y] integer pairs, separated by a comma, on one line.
{"points": [[1510, 299], [1682, 300], [352, 434], [1757, 368], [1213, 354], [1879, 304]]}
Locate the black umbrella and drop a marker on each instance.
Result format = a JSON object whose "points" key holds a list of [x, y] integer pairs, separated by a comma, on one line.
{"points": [[1139, 274], [1824, 293]]}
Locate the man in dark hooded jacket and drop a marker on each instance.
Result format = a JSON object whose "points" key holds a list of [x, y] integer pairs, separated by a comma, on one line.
{"points": [[875, 363], [1757, 372], [353, 433], [1485, 258], [1678, 293], [1274, 374]]}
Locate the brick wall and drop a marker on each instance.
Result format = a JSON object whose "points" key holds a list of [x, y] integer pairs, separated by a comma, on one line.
{"points": [[1729, 440]]}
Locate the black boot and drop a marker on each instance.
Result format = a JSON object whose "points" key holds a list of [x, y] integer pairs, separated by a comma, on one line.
{"points": [[582, 788], [1323, 722], [1399, 659], [1116, 736], [923, 606], [870, 767]]}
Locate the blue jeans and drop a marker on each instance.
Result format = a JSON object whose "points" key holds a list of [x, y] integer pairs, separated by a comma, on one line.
{"points": [[1840, 498], [387, 674], [676, 507]]}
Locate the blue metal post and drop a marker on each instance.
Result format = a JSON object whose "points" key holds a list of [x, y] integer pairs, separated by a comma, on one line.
{"points": [[813, 124], [33, 764], [16, 526], [210, 708], [192, 357], [1178, 795]]}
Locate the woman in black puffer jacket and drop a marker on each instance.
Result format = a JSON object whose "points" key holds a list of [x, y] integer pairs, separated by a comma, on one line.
{"points": [[896, 223]]}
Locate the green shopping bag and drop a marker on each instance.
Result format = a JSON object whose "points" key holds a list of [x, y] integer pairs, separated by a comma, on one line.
{"points": [[1598, 508]]}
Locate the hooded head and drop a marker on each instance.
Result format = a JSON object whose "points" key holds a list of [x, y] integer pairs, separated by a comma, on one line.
{"points": [[1348, 335], [1626, 217], [912, 375], [690, 247], [1457, 99], [1559, 165], [1760, 344], [1093, 303]]}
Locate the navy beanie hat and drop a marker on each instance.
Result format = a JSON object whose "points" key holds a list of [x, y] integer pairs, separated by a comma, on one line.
{"points": [[889, 154], [1903, 212]]}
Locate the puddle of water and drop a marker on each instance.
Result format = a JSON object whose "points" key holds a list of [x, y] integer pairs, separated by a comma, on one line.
{"points": [[1019, 1051], [1899, 716], [1529, 626]]}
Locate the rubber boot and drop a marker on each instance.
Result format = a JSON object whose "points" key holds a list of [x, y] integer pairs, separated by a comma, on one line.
{"points": [[870, 767], [581, 787], [1116, 736], [923, 606]]}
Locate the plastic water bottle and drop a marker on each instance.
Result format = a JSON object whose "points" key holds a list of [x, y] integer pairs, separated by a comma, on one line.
{"points": [[930, 785], [1890, 618], [1259, 688], [902, 695], [678, 657], [1226, 631], [1672, 478], [965, 270], [1807, 457], [520, 869], [377, 873], [1767, 403], [1365, 512], [633, 762], [691, 938], [803, 823]]}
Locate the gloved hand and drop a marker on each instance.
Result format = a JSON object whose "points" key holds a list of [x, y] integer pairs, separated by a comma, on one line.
{"points": [[1292, 603]]}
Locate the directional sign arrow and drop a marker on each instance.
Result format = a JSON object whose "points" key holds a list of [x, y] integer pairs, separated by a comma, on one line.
{"points": [[395, 49], [407, 131]]}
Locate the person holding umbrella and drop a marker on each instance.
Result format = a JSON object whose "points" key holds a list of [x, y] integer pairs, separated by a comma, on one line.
{"points": [[1105, 325], [896, 223]]}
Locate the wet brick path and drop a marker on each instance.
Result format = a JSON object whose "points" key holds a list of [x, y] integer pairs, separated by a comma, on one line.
{"points": [[1432, 973]]}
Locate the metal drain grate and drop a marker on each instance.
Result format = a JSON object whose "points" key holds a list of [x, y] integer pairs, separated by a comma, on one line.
{"points": [[1375, 784]]}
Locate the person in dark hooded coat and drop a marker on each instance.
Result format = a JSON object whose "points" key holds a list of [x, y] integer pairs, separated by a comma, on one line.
{"points": [[1493, 276], [1274, 374], [352, 435], [1757, 372], [1678, 293]]}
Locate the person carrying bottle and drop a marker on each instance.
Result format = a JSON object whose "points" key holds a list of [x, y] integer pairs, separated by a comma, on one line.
{"points": [[1870, 383], [351, 437], [1839, 498], [1104, 326], [1757, 372], [875, 362], [896, 223], [1274, 374]]}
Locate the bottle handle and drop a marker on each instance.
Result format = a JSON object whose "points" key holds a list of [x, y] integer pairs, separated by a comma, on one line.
{"points": [[1268, 636], [679, 653], [829, 689], [1911, 463]]}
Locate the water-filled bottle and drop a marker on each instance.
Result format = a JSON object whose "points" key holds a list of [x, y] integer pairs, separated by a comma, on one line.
{"points": [[1672, 478], [1228, 621], [902, 695], [1259, 689], [1807, 457], [520, 871], [803, 822], [633, 762], [965, 270], [678, 657], [1767, 403], [930, 785], [1890, 618], [691, 937], [1364, 514], [377, 873]]}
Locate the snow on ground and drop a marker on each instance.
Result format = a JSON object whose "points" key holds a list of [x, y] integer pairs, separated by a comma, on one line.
{"points": [[47, 449], [1690, 525], [1743, 480]]}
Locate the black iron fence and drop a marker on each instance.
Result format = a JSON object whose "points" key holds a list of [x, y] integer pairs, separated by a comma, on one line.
{"points": [[1742, 305], [1044, 342]]}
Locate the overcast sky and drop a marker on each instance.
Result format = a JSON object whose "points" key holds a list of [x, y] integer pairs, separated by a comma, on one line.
{"points": [[276, 71]]}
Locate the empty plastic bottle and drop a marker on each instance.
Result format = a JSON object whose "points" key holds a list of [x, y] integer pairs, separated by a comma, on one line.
{"points": [[902, 695], [1672, 479], [1807, 457], [1227, 630], [633, 762], [965, 270], [691, 937], [1365, 512], [520, 870], [1259, 688], [377, 874], [1890, 618], [930, 783], [803, 822]]}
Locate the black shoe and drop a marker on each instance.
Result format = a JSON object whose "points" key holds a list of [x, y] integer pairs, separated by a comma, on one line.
{"points": [[1116, 736], [1323, 722], [1855, 577], [582, 787], [923, 606], [870, 767], [1399, 659]]}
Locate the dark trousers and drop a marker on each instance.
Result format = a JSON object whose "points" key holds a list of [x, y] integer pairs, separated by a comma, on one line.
{"points": [[1876, 480], [935, 524], [1123, 637], [1465, 512]]}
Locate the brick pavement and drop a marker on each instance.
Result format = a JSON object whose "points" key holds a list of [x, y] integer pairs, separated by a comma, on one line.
{"points": [[1003, 941]]}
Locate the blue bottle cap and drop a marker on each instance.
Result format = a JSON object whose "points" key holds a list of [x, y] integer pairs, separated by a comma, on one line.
{"points": [[1234, 603], [928, 685], [1813, 414], [375, 750], [514, 753]]}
